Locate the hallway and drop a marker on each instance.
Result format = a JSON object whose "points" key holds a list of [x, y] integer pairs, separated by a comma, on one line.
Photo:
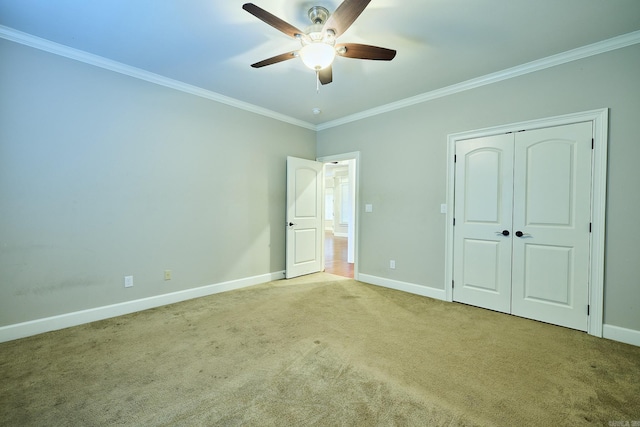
{"points": [[335, 255]]}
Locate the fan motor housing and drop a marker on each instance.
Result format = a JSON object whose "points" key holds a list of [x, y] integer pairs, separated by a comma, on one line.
{"points": [[318, 16]]}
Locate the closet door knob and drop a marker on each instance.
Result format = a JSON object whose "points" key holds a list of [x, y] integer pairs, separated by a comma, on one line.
{"points": [[519, 233], [504, 232]]}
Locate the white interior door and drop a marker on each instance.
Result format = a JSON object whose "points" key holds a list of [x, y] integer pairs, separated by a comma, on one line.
{"points": [[552, 199], [304, 217], [483, 212]]}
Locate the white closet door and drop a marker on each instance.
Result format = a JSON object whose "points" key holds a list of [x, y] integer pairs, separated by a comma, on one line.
{"points": [[552, 191], [483, 209]]}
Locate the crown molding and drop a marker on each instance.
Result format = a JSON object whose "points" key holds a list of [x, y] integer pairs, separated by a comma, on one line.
{"points": [[108, 64], [530, 67]]}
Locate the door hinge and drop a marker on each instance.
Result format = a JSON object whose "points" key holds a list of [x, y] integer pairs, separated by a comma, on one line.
{"points": [[455, 158], [453, 284], [454, 222], [593, 143], [588, 309], [589, 227]]}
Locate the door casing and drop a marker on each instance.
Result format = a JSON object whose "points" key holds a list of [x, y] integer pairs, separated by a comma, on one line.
{"points": [[599, 118]]}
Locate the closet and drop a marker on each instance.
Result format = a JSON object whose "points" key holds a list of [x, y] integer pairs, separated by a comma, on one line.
{"points": [[522, 212]]}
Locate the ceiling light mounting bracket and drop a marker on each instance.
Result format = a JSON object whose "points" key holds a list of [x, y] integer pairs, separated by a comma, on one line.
{"points": [[318, 15]]}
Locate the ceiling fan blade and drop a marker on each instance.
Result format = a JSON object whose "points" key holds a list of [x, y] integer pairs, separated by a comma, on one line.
{"points": [[326, 75], [275, 59], [348, 11], [272, 20], [364, 51]]}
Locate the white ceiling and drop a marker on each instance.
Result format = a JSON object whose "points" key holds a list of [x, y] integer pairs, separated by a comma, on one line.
{"points": [[211, 43]]}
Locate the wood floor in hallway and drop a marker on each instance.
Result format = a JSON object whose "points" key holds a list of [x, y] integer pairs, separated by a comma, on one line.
{"points": [[335, 255]]}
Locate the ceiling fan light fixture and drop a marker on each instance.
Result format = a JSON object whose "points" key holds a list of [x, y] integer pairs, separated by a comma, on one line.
{"points": [[317, 56], [318, 41]]}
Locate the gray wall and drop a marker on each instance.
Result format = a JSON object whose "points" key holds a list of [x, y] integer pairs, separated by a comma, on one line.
{"points": [[103, 175], [403, 168]]}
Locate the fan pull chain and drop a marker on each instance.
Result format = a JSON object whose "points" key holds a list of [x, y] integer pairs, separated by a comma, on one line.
{"points": [[317, 81]]}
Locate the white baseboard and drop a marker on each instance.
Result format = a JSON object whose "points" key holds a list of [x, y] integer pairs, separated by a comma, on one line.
{"points": [[38, 326], [616, 333], [411, 288]]}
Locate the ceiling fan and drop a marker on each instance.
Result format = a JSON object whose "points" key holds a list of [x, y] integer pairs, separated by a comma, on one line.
{"points": [[318, 41]]}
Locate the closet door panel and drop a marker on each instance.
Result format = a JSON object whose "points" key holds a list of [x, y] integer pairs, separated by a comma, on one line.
{"points": [[552, 190], [483, 204]]}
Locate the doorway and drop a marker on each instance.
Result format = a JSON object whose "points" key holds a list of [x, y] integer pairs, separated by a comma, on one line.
{"points": [[594, 271], [522, 209], [340, 214]]}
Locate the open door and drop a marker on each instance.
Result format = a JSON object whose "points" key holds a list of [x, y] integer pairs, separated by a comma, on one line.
{"points": [[304, 217]]}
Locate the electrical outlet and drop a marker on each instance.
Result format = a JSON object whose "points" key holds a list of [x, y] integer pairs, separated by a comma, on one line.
{"points": [[167, 275], [128, 281], [392, 264]]}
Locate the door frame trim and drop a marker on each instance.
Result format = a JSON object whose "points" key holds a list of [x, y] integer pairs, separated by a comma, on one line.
{"points": [[600, 120], [354, 155]]}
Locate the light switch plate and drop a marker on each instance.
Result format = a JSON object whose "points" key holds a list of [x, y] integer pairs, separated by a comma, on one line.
{"points": [[368, 207], [443, 208]]}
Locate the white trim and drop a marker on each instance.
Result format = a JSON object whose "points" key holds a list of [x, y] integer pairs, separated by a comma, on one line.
{"points": [[598, 202], [354, 155], [616, 333], [412, 288], [598, 210], [38, 326], [530, 67], [448, 241], [118, 67]]}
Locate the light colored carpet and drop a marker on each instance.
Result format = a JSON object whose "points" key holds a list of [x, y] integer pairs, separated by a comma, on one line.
{"points": [[318, 350]]}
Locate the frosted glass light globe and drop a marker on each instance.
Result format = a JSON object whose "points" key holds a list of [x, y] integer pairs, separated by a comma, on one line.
{"points": [[317, 55]]}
